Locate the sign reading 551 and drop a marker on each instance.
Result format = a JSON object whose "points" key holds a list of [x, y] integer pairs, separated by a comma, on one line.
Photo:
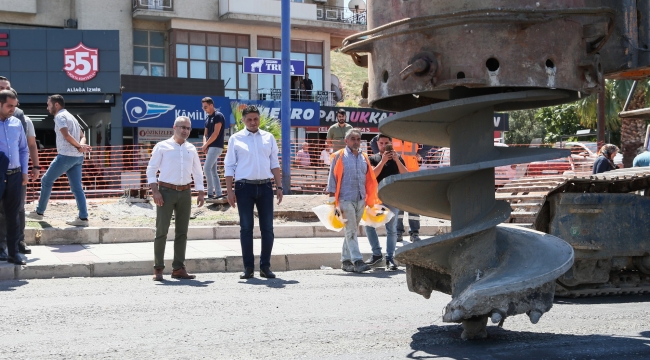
{"points": [[81, 62]]}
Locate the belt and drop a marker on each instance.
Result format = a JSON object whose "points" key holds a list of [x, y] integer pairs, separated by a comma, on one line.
{"points": [[14, 171], [174, 187], [255, 182]]}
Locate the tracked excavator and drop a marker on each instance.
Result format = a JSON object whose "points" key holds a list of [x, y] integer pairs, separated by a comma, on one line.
{"points": [[446, 67]]}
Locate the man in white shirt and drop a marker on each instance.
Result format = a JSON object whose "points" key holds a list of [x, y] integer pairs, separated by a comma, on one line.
{"points": [[179, 164], [71, 147], [252, 160]]}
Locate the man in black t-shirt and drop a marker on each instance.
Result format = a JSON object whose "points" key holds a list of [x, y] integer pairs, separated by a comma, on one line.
{"points": [[212, 146], [384, 165]]}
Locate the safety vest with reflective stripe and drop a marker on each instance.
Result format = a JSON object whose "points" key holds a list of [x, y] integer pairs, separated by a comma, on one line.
{"points": [[409, 152]]}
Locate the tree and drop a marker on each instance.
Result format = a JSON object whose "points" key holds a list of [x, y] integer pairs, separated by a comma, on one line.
{"points": [[524, 128], [632, 130], [267, 123], [558, 121]]}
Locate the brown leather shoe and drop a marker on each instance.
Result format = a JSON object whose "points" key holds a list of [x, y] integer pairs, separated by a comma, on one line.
{"points": [[157, 274], [182, 274]]}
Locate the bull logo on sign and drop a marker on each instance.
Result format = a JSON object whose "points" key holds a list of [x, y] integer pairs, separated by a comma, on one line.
{"points": [[81, 62]]}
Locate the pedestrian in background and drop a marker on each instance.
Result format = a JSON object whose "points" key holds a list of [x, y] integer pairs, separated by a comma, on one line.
{"points": [[303, 158], [34, 174], [352, 185], [14, 160], [336, 133], [326, 155], [385, 162], [178, 163], [642, 159], [213, 134], [251, 161], [71, 147], [605, 160]]}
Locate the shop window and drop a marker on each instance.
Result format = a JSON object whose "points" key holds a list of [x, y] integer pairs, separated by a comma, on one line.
{"points": [[149, 56]]}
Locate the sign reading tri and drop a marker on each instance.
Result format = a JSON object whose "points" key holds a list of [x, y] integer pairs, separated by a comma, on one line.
{"points": [[255, 65]]}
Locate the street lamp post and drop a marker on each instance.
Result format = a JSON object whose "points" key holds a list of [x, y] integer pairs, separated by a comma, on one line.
{"points": [[286, 96]]}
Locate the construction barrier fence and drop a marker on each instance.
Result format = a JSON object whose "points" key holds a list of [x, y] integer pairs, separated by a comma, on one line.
{"points": [[110, 171]]}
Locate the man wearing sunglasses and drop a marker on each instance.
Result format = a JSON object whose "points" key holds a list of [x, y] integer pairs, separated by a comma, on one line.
{"points": [[179, 165]]}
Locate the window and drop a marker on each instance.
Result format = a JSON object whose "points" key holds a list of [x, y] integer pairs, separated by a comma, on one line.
{"points": [[309, 51], [149, 53], [201, 55]]}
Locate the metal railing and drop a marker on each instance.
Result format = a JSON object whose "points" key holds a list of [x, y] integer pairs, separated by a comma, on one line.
{"points": [[340, 14], [324, 98], [155, 5]]}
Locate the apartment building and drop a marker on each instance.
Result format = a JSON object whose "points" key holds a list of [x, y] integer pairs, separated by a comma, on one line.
{"points": [[191, 48]]}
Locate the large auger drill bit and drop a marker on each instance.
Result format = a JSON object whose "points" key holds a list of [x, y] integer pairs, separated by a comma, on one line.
{"points": [[446, 66]]}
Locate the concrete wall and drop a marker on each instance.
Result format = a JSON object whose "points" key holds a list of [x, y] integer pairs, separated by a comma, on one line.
{"points": [[19, 6], [110, 15], [51, 13], [267, 8]]}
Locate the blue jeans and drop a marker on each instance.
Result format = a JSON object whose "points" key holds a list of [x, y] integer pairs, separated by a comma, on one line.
{"points": [[210, 170], [249, 196], [391, 236], [414, 223], [352, 211], [71, 166]]}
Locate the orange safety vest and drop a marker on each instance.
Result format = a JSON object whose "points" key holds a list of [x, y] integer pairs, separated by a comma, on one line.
{"points": [[409, 152], [371, 180]]}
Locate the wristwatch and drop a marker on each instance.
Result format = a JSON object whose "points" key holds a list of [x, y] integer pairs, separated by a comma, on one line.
{"points": [[36, 167], [278, 188]]}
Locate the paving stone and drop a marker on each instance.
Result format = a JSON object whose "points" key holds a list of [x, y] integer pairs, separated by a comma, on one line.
{"points": [[47, 271]]}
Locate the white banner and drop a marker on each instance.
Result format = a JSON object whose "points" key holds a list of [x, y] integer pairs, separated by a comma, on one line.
{"points": [[154, 134]]}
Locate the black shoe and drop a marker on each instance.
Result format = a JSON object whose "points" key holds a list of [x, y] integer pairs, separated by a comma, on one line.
{"points": [[17, 260], [390, 264], [23, 249], [248, 273], [374, 260], [400, 237], [3, 254], [266, 272]]}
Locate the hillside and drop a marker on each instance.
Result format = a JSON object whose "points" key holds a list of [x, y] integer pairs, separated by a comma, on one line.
{"points": [[351, 76]]}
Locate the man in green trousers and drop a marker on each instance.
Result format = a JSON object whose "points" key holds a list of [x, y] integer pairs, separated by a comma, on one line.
{"points": [[179, 164]]}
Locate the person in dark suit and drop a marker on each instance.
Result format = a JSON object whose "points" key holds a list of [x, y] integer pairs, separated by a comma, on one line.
{"points": [[13, 145]]}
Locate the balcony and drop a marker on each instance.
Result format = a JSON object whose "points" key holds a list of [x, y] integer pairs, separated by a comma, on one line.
{"points": [[341, 15], [333, 20], [152, 9], [324, 98]]}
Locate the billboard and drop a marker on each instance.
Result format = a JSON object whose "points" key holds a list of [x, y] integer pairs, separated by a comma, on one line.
{"points": [[255, 65], [160, 110]]}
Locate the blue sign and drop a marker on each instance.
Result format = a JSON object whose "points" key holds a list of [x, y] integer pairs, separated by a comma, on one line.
{"points": [[254, 65], [160, 110], [303, 113]]}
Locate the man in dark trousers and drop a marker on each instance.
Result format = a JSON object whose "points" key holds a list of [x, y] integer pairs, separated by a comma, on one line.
{"points": [[35, 173], [309, 86], [385, 163], [251, 161], [212, 146], [13, 169]]}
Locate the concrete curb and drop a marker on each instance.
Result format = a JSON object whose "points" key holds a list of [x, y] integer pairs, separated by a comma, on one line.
{"points": [[93, 235], [287, 262]]}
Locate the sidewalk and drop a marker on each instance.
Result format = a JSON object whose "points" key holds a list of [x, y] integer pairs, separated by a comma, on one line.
{"points": [[135, 259]]}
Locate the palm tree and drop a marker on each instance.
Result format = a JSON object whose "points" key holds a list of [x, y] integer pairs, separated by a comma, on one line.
{"points": [[267, 123], [616, 92]]}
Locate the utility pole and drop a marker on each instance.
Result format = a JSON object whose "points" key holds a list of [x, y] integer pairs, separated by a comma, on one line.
{"points": [[286, 96], [601, 117]]}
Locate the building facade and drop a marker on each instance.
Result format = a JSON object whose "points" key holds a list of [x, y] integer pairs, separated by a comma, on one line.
{"points": [[181, 41]]}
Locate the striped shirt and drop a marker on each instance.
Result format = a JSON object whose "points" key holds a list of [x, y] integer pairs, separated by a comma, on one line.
{"points": [[353, 184]]}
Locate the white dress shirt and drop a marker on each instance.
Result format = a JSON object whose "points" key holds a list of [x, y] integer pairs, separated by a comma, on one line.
{"points": [[177, 164], [251, 156]]}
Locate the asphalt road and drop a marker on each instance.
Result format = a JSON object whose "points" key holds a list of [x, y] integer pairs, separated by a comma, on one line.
{"points": [[303, 314]]}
